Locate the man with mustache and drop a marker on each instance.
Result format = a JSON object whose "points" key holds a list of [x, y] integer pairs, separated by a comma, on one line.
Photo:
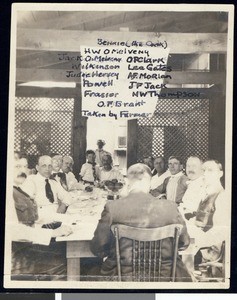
{"points": [[195, 187], [57, 173], [21, 199], [34, 254], [67, 168]]}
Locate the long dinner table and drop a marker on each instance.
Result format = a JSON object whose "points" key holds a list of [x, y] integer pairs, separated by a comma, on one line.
{"points": [[83, 216]]}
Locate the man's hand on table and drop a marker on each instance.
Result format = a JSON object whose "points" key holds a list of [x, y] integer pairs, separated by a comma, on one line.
{"points": [[63, 230]]}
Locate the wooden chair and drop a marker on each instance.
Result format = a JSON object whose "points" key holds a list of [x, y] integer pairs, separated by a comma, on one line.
{"points": [[146, 252]]}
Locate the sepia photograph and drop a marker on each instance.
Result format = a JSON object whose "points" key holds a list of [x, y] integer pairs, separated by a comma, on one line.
{"points": [[119, 146]]}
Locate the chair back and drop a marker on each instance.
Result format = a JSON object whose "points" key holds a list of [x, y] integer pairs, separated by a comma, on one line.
{"points": [[146, 249]]}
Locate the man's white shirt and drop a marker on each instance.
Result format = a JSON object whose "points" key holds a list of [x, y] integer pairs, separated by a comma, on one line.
{"points": [[72, 182], [158, 180], [194, 194], [34, 186], [109, 175]]}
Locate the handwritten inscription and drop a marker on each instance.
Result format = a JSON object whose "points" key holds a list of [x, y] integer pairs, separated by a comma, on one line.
{"points": [[121, 80], [162, 44]]}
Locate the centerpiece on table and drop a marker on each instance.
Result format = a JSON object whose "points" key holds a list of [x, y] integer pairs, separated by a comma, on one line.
{"points": [[113, 187]]}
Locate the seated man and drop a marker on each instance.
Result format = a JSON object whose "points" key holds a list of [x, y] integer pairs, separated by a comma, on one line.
{"points": [[138, 209], [213, 210], [23, 156], [162, 172], [38, 256], [210, 225], [149, 161], [46, 192], [67, 167], [108, 172], [195, 190], [57, 173], [174, 186], [89, 170]]}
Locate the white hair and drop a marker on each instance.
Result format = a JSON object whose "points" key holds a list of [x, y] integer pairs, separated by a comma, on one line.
{"points": [[139, 176], [139, 171]]}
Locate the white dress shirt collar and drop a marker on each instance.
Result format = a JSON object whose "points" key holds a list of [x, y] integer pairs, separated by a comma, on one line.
{"points": [[40, 177], [60, 171], [197, 181], [177, 175]]}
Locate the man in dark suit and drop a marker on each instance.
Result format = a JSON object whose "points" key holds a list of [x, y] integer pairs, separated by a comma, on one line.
{"points": [[35, 254], [138, 209]]}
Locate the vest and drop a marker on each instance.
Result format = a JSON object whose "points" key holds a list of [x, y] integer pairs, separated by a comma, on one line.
{"points": [[26, 208], [205, 212]]}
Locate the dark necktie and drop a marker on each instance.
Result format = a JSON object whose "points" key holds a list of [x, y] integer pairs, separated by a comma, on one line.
{"points": [[48, 191]]}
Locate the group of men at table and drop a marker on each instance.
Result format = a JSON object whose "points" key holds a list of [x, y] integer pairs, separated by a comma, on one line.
{"points": [[195, 200]]}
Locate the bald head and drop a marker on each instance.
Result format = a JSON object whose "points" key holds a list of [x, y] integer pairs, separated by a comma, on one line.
{"points": [[44, 166]]}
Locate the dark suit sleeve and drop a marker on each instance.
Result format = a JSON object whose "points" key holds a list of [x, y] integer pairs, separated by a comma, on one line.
{"points": [[103, 237], [161, 189]]}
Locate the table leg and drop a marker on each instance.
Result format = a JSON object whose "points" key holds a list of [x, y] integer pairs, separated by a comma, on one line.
{"points": [[73, 269], [75, 251]]}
